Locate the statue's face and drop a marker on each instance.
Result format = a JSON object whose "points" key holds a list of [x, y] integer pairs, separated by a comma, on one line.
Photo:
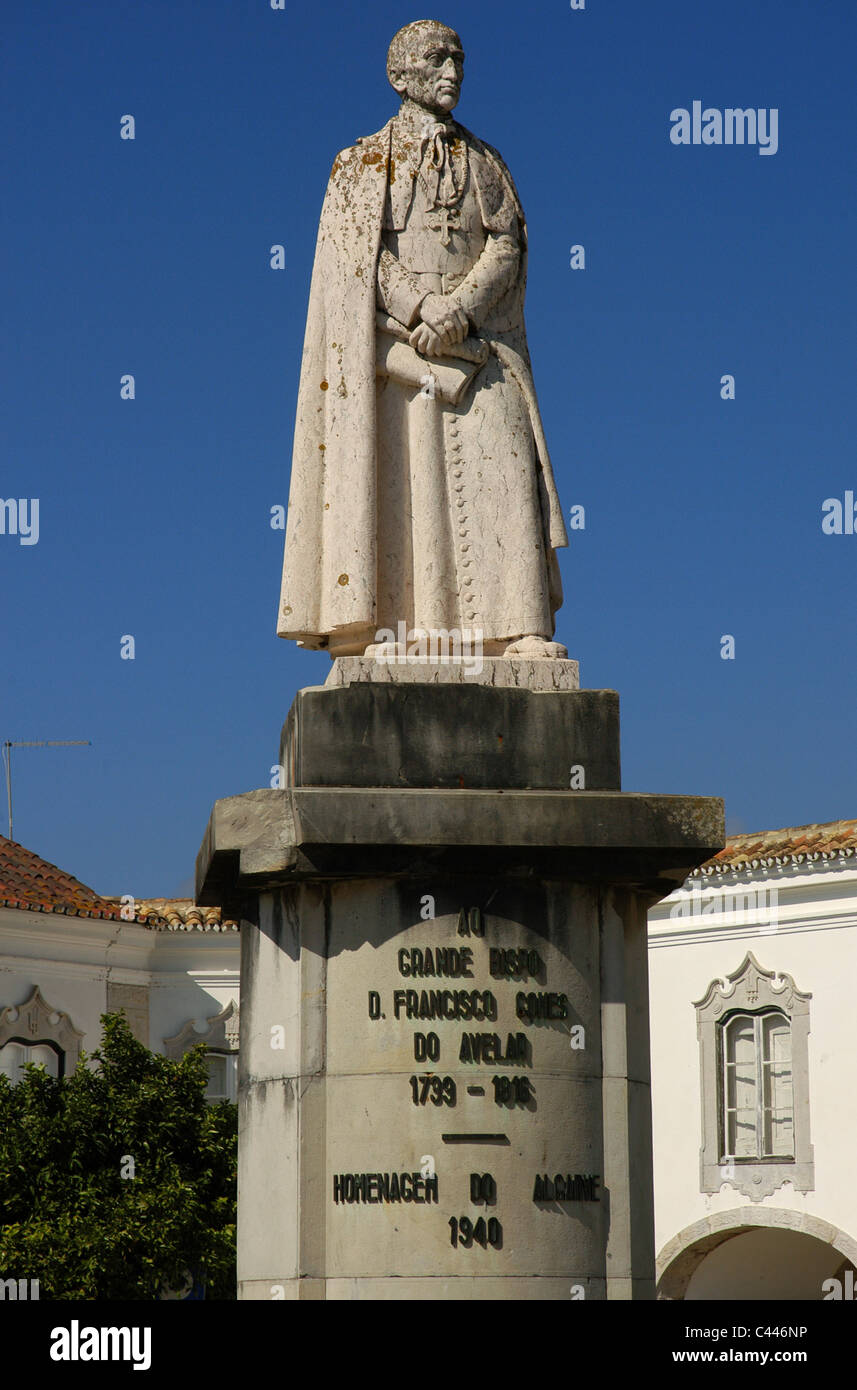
{"points": [[435, 71]]}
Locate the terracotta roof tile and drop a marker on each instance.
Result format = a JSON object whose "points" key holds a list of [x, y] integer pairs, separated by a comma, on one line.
{"points": [[26, 877], [32, 884], [799, 842], [176, 914]]}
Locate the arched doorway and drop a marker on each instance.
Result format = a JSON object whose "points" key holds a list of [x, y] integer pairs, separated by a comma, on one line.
{"points": [[754, 1254]]}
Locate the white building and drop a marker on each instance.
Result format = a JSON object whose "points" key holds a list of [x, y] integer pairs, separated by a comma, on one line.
{"points": [[68, 955], [753, 986]]}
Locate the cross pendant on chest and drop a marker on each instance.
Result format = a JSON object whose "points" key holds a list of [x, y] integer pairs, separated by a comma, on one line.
{"points": [[444, 218]]}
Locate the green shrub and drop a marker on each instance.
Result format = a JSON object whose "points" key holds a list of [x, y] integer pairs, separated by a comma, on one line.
{"points": [[70, 1219]]}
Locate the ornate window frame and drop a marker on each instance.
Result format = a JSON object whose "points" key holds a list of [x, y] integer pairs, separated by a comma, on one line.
{"points": [[752, 990], [36, 1021], [220, 1038]]}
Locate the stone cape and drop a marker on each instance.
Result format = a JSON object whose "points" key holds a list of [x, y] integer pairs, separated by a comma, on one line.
{"points": [[334, 553]]}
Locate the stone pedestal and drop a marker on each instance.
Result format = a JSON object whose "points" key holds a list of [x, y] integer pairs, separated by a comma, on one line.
{"points": [[444, 1065]]}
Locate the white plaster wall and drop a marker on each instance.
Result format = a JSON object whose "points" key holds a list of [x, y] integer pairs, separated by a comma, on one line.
{"points": [[190, 975], [815, 941]]}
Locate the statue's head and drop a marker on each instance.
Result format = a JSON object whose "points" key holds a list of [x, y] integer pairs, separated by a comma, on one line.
{"points": [[425, 62]]}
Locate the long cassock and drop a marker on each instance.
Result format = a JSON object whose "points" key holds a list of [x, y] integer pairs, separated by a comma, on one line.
{"points": [[422, 490]]}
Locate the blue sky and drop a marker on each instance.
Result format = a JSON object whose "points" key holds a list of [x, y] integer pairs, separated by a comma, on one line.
{"points": [[151, 257]]}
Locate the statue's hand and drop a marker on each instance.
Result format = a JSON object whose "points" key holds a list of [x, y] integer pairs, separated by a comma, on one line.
{"points": [[426, 341], [443, 318]]}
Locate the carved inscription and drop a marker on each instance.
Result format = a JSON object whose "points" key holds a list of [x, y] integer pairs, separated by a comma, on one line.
{"points": [[583, 1187], [490, 983], [384, 1187]]}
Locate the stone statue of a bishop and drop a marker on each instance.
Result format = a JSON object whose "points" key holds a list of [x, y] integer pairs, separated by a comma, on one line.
{"points": [[422, 496]]}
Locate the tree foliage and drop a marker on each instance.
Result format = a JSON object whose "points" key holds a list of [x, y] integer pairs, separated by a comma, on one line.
{"points": [[67, 1215]]}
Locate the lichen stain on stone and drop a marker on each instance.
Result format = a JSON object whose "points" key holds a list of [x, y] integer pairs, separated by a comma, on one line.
{"points": [[342, 580], [325, 385]]}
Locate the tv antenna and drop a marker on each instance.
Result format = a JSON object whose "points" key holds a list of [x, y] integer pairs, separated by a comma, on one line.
{"points": [[9, 744]]}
